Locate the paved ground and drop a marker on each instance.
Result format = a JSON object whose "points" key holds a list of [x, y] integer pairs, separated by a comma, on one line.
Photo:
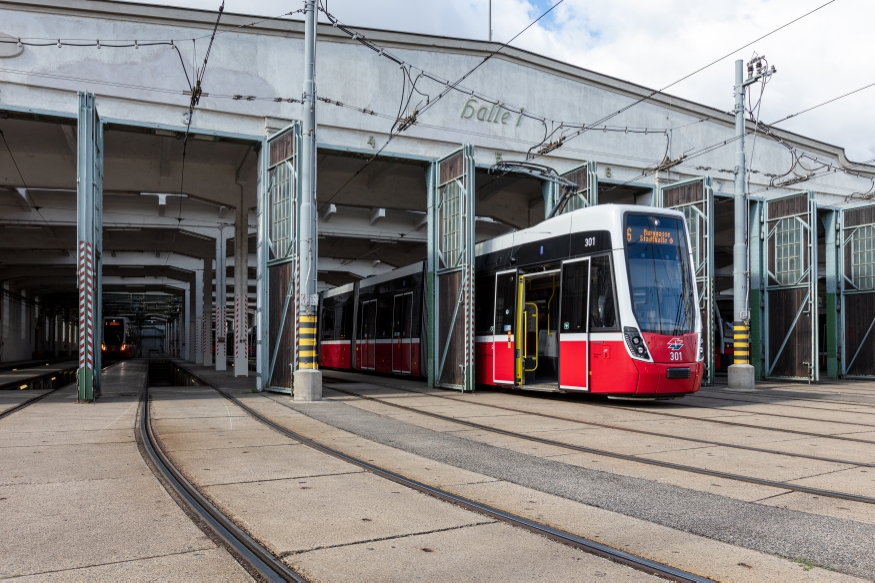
{"points": [[331, 520], [671, 516], [78, 502], [838, 543]]}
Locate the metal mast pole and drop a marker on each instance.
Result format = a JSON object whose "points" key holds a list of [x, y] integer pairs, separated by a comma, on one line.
{"points": [[490, 20], [741, 372], [307, 383]]}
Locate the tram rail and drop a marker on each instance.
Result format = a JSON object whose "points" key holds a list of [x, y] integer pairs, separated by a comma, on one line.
{"points": [[590, 546], [637, 431], [255, 556], [626, 457]]}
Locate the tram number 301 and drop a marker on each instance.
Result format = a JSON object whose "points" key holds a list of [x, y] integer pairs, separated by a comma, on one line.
{"points": [[589, 242], [676, 356]]}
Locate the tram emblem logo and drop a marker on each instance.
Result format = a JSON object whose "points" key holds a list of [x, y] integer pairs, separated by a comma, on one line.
{"points": [[675, 343]]}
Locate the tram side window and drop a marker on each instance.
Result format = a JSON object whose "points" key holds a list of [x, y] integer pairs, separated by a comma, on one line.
{"points": [[342, 319], [328, 323], [384, 317], [365, 329], [574, 304], [484, 297], [505, 298], [602, 302]]}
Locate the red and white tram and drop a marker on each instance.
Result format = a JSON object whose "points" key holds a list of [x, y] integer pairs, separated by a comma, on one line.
{"points": [[601, 300]]}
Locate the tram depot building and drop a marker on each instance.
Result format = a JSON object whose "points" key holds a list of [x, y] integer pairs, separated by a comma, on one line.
{"points": [[195, 229]]}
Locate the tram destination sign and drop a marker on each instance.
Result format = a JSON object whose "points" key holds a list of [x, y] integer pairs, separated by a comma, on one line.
{"points": [[652, 236]]}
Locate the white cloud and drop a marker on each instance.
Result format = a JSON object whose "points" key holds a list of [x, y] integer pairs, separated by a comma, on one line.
{"points": [[654, 42]]}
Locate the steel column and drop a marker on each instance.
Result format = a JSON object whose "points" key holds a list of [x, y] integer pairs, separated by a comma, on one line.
{"points": [[308, 385], [89, 237]]}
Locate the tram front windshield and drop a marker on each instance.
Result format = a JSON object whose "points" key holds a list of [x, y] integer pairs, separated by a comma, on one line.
{"points": [[113, 332], [659, 274]]}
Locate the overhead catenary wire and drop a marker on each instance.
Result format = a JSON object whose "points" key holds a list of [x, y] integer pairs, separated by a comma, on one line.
{"points": [[403, 124], [196, 92], [565, 138]]}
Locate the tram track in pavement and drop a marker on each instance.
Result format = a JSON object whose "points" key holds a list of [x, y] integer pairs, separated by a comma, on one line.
{"points": [[38, 398], [581, 543], [627, 457], [256, 558], [776, 401]]}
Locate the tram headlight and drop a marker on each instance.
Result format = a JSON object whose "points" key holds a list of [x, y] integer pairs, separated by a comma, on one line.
{"points": [[701, 349], [635, 343]]}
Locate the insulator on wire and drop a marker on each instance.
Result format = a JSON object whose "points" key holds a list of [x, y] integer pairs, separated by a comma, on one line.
{"points": [[59, 43]]}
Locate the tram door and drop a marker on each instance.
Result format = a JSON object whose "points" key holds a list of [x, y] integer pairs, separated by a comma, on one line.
{"points": [[537, 346], [368, 340], [402, 322], [504, 329], [574, 326]]}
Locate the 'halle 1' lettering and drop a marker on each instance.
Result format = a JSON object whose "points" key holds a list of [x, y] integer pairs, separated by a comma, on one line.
{"points": [[488, 114]]}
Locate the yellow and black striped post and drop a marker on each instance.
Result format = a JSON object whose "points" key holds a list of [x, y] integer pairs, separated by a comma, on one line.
{"points": [[741, 342], [307, 343]]}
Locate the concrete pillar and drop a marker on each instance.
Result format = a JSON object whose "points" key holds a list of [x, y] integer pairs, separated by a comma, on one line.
{"points": [[207, 335], [24, 314], [4, 323], [221, 297], [241, 283], [198, 331], [186, 328]]}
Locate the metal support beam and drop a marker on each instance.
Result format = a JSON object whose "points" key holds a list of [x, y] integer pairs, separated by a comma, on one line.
{"points": [[741, 373], [89, 230], [307, 381]]}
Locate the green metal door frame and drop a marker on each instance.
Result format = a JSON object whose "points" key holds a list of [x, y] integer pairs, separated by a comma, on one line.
{"points": [[699, 214], [89, 245], [278, 245], [804, 219], [450, 264], [757, 301], [852, 222], [586, 195]]}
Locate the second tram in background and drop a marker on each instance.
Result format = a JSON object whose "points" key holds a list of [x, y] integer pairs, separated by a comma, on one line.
{"points": [[601, 300], [119, 339]]}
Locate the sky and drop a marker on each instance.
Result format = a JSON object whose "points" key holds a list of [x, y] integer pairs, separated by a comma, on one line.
{"points": [[656, 42]]}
